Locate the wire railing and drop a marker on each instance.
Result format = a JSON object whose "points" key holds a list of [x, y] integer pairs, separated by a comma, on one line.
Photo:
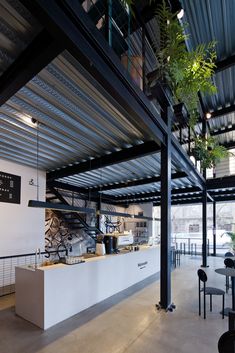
{"points": [[190, 245], [8, 264], [193, 246], [126, 34]]}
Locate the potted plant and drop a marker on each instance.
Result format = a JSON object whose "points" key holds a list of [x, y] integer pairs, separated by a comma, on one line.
{"points": [[231, 243], [209, 151], [185, 73]]}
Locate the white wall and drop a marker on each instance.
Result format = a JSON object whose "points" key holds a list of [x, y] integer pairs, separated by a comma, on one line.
{"points": [[22, 228], [147, 209]]}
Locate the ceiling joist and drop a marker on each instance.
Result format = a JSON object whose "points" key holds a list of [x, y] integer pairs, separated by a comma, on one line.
{"points": [[133, 183], [222, 130], [225, 64], [221, 183], [138, 197], [124, 155], [223, 111]]}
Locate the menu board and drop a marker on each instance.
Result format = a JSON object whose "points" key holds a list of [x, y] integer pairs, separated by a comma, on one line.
{"points": [[10, 188]]}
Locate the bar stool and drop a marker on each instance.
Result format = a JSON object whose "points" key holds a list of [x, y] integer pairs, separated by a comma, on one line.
{"points": [[202, 277]]}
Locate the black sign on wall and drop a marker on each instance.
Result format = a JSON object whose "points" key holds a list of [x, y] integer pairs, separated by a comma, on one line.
{"points": [[10, 186]]}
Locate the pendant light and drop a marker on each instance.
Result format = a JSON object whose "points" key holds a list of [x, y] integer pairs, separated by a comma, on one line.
{"points": [[49, 205]]}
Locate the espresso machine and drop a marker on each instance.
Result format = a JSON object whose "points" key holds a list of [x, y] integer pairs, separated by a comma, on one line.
{"points": [[114, 242], [110, 242]]}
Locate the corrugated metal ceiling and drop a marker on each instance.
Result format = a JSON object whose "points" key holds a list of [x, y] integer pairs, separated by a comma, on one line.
{"points": [[225, 96], [143, 167], [148, 188], [17, 30], [215, 20], [211, 20], [76, 122]]}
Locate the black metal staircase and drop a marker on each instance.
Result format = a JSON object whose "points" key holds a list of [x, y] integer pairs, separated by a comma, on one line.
{"points": [[73, 219]]}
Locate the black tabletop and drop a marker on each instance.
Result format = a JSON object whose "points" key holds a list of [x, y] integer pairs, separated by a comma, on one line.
{"points": [[226, 271]]}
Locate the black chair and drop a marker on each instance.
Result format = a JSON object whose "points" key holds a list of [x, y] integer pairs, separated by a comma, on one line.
{"points": [[226, 342], [202, 277], [229, 263], [231, 320], [177, 257]]}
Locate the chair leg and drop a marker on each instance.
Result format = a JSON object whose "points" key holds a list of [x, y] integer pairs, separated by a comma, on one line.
{"points": [[227, 284], [210, 302], [204, 297], [199, 298], [223, 307]]}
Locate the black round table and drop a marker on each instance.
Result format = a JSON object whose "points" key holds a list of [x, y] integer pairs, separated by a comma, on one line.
{"points": [[230, 272]]}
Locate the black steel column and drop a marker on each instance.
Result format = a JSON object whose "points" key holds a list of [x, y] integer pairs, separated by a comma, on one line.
{"points": [[204, 227], [165, 284], [204, 208], [214, 228]]}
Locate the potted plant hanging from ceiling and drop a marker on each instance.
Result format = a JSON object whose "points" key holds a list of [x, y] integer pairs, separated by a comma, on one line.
{"points": [[184, 72], [209, 151]]}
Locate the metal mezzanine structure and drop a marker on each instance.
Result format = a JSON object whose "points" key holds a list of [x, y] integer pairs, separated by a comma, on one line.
{"points": [[96, 128]]}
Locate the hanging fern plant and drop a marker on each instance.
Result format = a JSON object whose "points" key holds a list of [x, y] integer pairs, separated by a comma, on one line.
{"points": [[186, 72]]}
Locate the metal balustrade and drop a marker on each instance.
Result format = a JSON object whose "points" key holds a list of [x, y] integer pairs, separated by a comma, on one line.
{"points": [[190, 245], [8, 264], [125, 34]]}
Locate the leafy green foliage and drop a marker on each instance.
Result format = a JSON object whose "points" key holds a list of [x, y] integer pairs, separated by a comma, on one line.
{"points": [[209, 151], [186, 72], [232, 242], [127, 2]]}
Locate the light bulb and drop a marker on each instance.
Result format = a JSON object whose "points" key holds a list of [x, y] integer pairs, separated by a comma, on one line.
{"points": [[180, 14]]}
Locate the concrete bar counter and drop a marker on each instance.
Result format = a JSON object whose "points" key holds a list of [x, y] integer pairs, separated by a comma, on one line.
{"points": [[48, 295]]}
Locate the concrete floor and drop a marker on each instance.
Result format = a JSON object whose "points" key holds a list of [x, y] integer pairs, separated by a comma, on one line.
{"points": [[127, 322]]}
